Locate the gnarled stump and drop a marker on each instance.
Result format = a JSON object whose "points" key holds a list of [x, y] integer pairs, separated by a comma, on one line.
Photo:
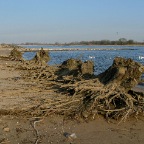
{"points": [[125, 72], [15, 55], [76, 68], [42, 57]]}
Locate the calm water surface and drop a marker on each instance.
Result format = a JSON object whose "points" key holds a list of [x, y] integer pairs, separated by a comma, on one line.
{"points": [[102, 58]]}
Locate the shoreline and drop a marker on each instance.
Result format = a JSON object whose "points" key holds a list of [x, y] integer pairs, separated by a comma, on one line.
{"points": [[25, 49], [74, 45], [17, 96], [73, 49]]}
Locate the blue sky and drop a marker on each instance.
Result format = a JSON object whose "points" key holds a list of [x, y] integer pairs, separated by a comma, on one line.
{"points": [[70, 20]]}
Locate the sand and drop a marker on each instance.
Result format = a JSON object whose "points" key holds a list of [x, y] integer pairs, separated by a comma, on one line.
{"points": [[17, 95]]}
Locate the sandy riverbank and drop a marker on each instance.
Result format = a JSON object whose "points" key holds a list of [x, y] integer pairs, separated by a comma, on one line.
{"points": [[18, 95]]}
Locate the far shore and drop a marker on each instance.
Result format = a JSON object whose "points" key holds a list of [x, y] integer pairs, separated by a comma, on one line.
{"points": [[63, 47], [74, 49]]}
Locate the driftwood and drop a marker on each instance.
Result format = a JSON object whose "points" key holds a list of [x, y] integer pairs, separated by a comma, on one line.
{"points": [[108, 94], [110, 100], [41, 57], [125, 72], [15, 54], [75, 69]]}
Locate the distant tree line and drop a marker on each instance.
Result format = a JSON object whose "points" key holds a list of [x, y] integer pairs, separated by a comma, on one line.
{"points": [[121, 41]]}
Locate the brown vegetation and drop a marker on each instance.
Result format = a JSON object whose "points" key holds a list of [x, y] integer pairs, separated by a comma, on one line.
{"points": [[108, 94], [15, 55], [41, 57]]}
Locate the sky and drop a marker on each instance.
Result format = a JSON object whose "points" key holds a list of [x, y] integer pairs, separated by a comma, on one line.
{"points": [[50, 21]]}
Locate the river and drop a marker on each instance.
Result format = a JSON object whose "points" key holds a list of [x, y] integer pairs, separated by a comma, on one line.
{"points": [[102, 57]]}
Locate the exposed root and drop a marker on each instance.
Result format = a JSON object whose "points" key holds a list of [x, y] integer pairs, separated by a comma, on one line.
{"points": [[33, 124], [108, 94]]}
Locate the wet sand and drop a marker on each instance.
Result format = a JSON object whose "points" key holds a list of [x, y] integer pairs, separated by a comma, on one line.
{"points": [[17, 94]]}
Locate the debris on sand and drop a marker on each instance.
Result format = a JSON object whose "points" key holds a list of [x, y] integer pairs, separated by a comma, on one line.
{"points": [[69, 136], [6, 129], [108, 94]]}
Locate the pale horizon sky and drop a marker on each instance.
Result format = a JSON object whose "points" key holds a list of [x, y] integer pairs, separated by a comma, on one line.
{"points": [[50, 21]]}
